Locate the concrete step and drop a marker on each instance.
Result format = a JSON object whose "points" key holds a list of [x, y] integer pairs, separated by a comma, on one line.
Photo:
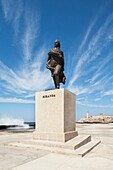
{"points": [[72, 144], [83, 150], [78, 141]]}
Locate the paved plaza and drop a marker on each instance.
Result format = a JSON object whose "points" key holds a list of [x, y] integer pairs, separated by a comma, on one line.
{"points": [[22, 158]]}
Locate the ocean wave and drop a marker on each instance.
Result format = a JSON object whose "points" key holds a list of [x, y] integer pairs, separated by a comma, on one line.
{"points": [[11, 121]]}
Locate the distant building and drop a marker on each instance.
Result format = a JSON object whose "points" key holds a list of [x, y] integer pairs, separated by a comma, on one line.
{"points": [[101, 118]]}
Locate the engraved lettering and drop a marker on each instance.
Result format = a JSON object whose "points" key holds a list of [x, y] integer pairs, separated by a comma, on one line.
{"points": [[47, 96]]}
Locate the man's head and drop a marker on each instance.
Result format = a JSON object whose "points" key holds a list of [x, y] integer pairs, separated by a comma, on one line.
{"points": [[57, 43]]}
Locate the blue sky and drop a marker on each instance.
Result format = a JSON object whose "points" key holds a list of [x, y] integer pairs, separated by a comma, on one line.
{"points": [[28, 30]]}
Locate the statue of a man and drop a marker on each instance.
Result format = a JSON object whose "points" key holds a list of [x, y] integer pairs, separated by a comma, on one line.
{"points": [[55, 63]]}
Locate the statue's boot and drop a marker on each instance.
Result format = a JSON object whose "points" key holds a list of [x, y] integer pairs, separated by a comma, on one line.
{"points": [[63, 80]]}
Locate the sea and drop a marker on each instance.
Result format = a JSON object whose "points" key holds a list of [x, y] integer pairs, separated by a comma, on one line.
{"points": [[15, 125]]}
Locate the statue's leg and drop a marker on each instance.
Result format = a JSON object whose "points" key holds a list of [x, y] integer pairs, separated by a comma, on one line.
{"points": [[57, 81], [54, 82], [56, 76]]}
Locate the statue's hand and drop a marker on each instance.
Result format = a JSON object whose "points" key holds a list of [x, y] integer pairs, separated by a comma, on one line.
{"points": [[49, 67], [48, 64]]}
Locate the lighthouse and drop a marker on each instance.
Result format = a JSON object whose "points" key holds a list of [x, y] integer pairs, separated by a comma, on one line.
{"points": [[87, 114]]}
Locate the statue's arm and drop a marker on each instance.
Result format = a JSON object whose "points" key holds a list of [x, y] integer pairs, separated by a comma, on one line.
{"points": [[48, 66]]}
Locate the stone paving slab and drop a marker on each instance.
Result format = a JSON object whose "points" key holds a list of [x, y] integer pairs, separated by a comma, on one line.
{"points": [[61, 162], [11, 157]]}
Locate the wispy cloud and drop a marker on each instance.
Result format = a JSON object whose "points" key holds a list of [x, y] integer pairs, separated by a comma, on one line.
{"points": [[93, 56], [31, 32], [87, 35], [28, 79], [94, 105], [97, 99], [101, 70], [15, 100], [109, 92], [12, 12], [96, 44], [78, 90], [29, 96]]}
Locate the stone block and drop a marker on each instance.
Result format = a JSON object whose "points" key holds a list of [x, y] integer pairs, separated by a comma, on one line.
{"points": [[55, 115]]}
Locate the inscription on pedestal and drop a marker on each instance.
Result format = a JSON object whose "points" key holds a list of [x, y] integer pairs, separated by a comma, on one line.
{"points": [[47, 96]]}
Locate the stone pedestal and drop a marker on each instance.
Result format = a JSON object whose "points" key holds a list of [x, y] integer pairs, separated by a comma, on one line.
{"points": [[55, 125], [55, 115]]}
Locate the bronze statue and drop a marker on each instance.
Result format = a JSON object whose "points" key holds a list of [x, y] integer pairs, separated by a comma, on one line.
{"points": [[55, 63]]}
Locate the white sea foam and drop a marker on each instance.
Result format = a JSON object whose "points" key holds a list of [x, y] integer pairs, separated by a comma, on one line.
{"points": [[11, 121], [18, 123]]}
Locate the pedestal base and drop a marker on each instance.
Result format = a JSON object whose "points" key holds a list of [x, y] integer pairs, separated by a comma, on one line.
{"points": [[59, 137], [55, 115]]}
